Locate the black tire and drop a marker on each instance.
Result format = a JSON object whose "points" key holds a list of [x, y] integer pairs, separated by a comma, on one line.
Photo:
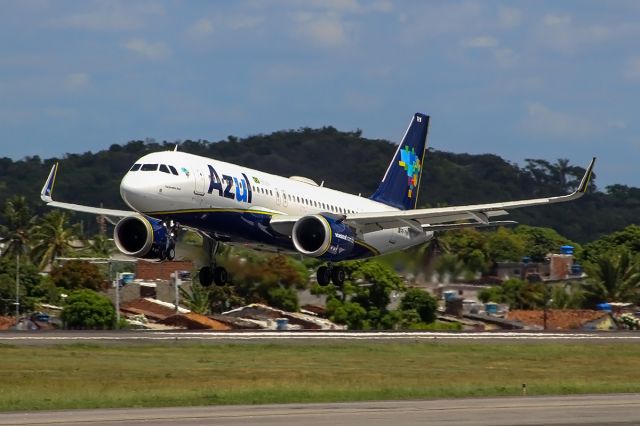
{"points": [[205, 276], [220, 276], [323, 276], [338, 275], [171, 253]]}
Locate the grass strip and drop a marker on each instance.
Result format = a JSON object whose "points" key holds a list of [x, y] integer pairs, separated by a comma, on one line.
{"points": [[96, 376]]}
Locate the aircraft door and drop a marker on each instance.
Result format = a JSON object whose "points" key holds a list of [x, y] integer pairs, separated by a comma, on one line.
{"points": [[284, 198], [277, 196], [199, 177]]}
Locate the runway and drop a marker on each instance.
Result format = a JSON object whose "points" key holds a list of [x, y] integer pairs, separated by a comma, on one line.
{"points": [[588, 410], [67, 337]]}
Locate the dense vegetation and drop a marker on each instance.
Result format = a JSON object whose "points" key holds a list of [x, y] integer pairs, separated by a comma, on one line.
{"points": [[321, 154]]}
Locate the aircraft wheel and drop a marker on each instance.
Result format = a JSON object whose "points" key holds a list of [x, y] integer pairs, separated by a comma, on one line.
{"points": [[338, 275], [205, 276], [171, 253], [323, 276], [220, 276]]}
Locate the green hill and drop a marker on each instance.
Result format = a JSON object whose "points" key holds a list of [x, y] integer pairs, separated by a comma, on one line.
{"points": [[345, 161]]}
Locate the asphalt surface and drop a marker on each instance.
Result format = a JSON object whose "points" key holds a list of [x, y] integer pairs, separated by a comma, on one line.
{"points": [[568, 410], [137, 337]]}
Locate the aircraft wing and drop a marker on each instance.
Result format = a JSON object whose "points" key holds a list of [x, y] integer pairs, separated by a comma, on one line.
{"points": [[478, 215], [47, 192]]}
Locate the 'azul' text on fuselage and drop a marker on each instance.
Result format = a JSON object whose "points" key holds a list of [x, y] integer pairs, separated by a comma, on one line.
{"points": [[230, 187]]}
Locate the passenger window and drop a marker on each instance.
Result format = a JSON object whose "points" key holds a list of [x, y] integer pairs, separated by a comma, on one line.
{"points": [[164, 169], [135, 168], [173, 170], [149, 167]]}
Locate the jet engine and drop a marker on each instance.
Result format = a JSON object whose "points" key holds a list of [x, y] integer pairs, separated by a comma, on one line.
{"points": [[323, 236], [142, 237]]}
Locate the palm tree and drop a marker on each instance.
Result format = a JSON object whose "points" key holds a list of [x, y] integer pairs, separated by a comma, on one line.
{"points": [[424, 257], [53, 236], [198, 300], [101, 246], [19, 228], [613, 278]]}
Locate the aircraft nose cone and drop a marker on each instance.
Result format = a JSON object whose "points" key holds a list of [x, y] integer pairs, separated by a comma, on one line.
{"points": [[133, 191]]}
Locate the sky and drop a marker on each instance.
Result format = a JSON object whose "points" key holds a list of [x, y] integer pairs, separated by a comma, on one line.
{"points": [[526, 79]]}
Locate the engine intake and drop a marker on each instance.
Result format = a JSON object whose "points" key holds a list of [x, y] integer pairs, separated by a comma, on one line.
{"points": [[141, 237], [323, 236]]}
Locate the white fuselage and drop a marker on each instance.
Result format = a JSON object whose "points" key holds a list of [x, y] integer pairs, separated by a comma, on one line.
{"points": [[218, 198]]}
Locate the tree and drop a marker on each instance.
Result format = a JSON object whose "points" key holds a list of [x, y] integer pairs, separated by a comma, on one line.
{"points": [[518, 294], [450, 265], [567, 296], [505, 245], [627, 239], [267, 279], [30, 280], [20, 224], [53, 236], [361, 303], [541, 241], [77, 274], [198, 299], [469, 246], [422, 302], [100, 246], [88, 310], [612, 278]]}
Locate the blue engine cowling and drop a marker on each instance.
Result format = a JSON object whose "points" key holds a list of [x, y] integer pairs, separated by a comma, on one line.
{"points": [[141, 237], [323, 236]]}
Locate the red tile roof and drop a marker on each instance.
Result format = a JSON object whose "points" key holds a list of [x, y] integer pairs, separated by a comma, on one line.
{"points": [[557, 319]]}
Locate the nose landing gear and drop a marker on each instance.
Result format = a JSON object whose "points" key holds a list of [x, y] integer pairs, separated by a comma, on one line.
{"points": [[330, 273], [172, 228]]}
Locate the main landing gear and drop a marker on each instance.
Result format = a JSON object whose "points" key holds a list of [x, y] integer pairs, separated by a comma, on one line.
{"points": [[212, 274], [169, 252], [330, 273]]}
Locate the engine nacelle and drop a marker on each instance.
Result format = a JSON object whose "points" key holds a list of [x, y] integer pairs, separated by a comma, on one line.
{"points": [[323, 236], [142, 237]]}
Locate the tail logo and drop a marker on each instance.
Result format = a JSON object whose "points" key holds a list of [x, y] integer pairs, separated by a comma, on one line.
{"points": [[411, 164]]}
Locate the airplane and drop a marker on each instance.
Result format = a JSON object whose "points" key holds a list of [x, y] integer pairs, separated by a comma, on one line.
{"points": [[172, 191]]}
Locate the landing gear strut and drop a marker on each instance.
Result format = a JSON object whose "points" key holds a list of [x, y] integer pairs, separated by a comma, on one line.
{"points": [[331, 273], [169, 252], [212, 274]]}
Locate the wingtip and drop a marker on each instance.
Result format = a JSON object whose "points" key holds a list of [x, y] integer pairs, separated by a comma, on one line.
{"points": [[586, 179], [47, 189]]}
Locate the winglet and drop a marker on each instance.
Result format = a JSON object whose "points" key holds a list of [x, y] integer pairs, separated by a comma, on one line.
{"points": [[584, 183], [47, 189]]}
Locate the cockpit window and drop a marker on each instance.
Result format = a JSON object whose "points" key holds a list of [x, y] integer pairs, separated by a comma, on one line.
{"points": [[164, 169], [173, 170], [135, 168], [149, 167]]}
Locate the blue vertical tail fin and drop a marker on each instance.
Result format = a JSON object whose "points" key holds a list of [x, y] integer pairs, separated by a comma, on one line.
{"points": [[401, 182]]}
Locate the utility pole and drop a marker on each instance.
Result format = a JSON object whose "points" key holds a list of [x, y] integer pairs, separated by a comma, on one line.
{"points": [[17, 285], [176, 283], [117, 283], [546, 305]]}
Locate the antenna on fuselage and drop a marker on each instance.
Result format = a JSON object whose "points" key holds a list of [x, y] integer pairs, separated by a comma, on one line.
{"points": [[176, 148]]}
